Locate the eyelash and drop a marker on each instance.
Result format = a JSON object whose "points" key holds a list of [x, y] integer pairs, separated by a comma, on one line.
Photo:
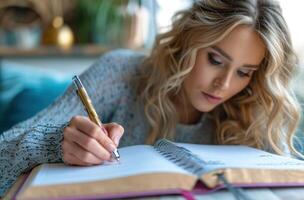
{"points": [[243, 74], [213, 61]]}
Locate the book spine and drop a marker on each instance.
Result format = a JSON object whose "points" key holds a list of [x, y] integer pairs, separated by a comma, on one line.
{"points": [[180, 156]]}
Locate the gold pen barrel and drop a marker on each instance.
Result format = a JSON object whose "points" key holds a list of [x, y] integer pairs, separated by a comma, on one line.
{"points": [[86, 101], [88, 105]]}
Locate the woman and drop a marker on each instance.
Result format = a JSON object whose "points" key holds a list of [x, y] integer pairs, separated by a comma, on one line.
{"points": [[219, 76]]}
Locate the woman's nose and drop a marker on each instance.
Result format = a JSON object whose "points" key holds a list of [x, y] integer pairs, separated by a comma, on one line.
{"points": [[223, 81]]}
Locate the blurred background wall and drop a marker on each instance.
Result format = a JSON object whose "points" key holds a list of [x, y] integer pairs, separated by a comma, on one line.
{"points": [[43, 43]]}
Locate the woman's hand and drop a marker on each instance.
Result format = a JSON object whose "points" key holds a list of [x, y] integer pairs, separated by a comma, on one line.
{"points": [[84, 142]]}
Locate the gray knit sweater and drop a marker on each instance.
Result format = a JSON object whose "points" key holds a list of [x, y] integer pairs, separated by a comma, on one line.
{"points": [[110, 82]]}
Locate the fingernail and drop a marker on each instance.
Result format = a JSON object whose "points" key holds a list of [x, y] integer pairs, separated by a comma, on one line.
{"points": [[111, 147], [116, 140]]}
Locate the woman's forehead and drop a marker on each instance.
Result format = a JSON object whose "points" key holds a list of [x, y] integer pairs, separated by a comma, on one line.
{"points": [[243, 44]]}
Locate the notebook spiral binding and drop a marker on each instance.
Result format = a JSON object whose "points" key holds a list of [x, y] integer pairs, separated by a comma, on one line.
{"points": [[181, 156], [190, 162]]}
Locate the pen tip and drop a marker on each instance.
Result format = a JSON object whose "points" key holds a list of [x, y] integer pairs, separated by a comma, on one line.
{"points": [[116, 154]]}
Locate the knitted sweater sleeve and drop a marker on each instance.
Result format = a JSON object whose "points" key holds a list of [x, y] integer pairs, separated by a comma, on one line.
{"points": [[38, 139]]}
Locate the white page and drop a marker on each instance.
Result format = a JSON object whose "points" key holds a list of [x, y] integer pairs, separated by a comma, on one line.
{"points": [[236, 156], [133, 160]]}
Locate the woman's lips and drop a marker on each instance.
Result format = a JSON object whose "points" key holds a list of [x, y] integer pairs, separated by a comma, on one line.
{"points": [[212, 99]]}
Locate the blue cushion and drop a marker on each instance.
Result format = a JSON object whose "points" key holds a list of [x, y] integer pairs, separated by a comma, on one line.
{"points": [[25, 91]]}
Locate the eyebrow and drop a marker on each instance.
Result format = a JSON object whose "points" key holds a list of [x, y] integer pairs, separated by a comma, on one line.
{"points": [[223, 53], [252, 67]]}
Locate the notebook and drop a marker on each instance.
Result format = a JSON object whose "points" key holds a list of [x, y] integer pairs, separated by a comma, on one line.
{"points": [[164, 168]]}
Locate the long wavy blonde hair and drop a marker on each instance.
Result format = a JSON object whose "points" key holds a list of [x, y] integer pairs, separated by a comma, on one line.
{"points": [[265, 115]]}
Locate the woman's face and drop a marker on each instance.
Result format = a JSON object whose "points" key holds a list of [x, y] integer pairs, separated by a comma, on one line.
{"points": [[223, 70]]}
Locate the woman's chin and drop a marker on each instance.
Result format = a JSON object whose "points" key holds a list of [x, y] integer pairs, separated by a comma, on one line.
{"points": [[206, 108]]}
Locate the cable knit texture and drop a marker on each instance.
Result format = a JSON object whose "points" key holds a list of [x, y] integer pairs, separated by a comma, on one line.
{"points": [[110, 82]]}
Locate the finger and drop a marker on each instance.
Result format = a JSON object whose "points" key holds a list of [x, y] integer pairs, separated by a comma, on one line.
{"points": [[72, 160], [88, 143], [83, 124], [115, 132], [69, 158], [83, 155]]}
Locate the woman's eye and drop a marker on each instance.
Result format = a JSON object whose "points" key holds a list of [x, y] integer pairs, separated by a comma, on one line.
{"points": [[212, 58], [244, 73]]}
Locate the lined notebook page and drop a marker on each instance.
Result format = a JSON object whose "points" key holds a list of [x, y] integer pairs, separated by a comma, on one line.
{"points": [[224, 156], [134, 160]]}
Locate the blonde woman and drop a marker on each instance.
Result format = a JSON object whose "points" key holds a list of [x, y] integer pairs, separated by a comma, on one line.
{"points": [[219, 76]]}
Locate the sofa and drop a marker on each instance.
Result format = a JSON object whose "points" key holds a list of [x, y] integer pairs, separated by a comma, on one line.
{"points": [[25, 91]]}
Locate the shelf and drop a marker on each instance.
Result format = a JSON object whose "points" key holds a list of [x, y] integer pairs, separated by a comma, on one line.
{"points": [[53, 51]]}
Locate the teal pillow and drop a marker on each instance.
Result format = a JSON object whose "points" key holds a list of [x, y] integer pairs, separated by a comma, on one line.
{"points": [[25, 91]]}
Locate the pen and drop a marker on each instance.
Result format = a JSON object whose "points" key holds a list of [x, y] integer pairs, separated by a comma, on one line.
{"points": [[86, 101]]}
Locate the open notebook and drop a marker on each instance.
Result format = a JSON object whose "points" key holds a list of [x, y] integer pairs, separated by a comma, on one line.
{"points": [[165, 168]]}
